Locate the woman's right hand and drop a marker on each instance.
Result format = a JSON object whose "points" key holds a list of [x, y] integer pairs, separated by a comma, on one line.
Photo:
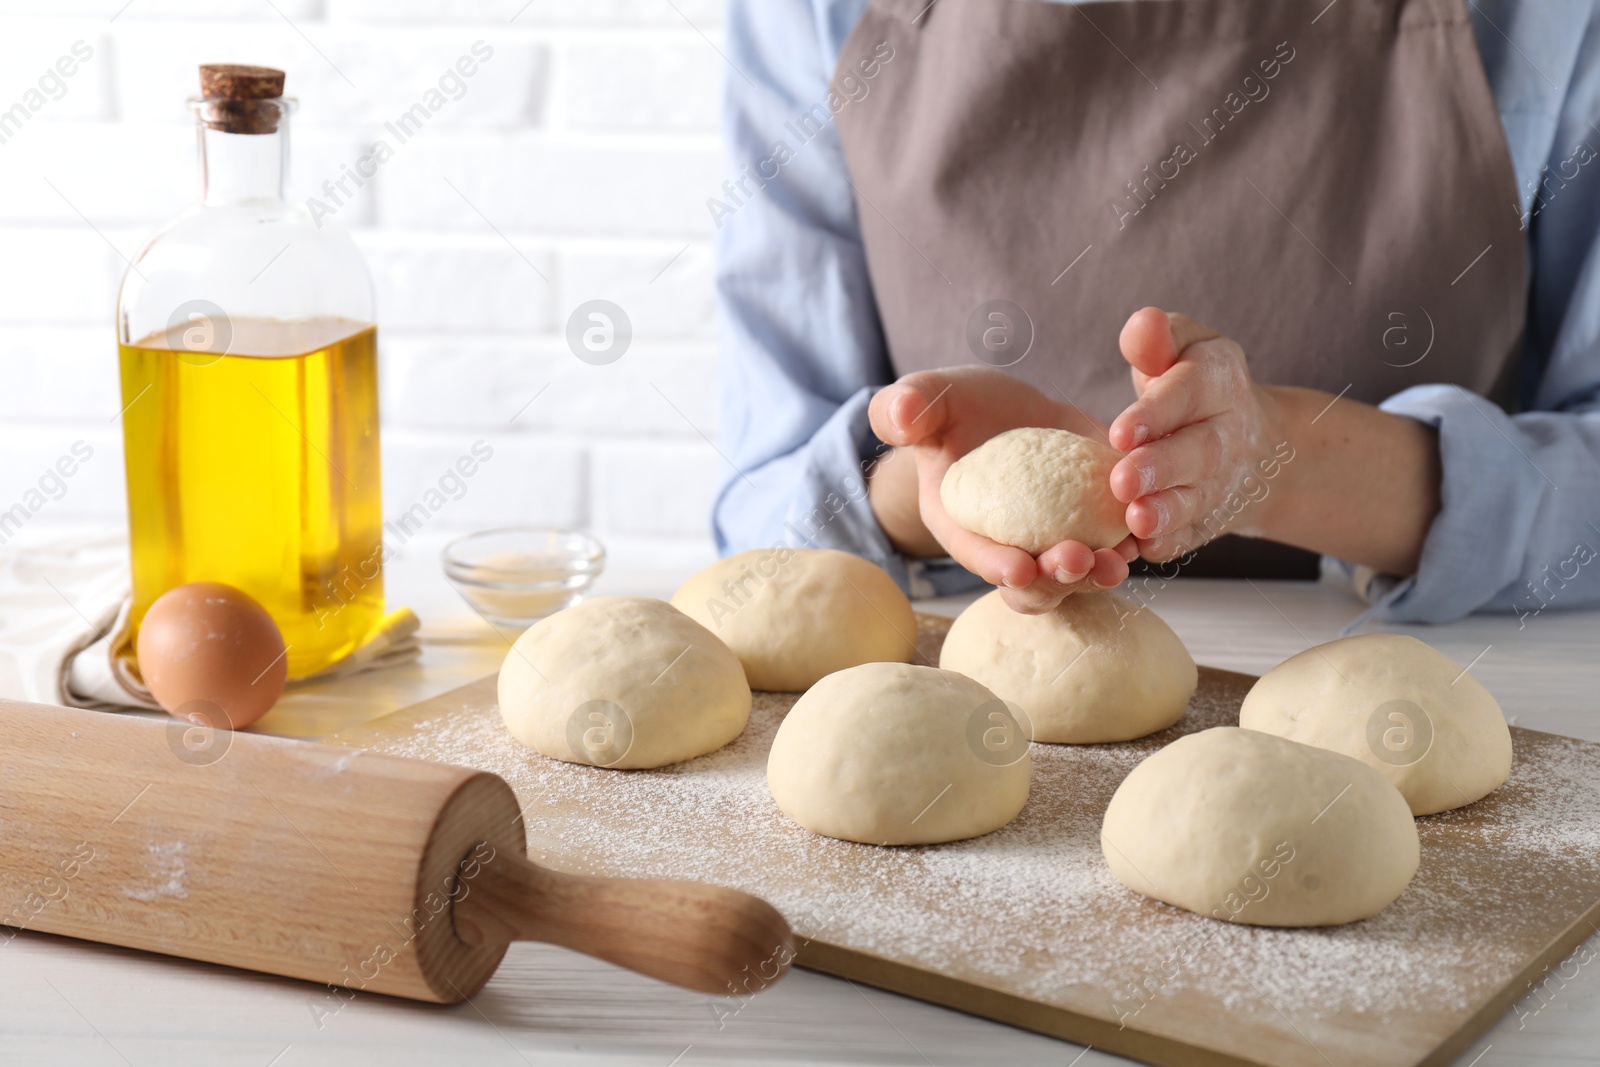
{"points": [[939, 416]]}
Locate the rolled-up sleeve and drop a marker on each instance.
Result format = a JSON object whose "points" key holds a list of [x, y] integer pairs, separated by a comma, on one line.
{"points": [[1519, 524], [801, 349], [1520, 498], [1517, 529]]}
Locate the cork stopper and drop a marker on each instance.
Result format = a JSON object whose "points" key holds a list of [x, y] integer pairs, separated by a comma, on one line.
{"points": [[241, 99]]}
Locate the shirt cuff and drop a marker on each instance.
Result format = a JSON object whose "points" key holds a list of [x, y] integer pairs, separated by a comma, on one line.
{"points": [[1474, 547]]}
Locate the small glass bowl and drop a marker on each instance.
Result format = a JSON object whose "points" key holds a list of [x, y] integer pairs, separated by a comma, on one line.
{"points": [[518, 575]]}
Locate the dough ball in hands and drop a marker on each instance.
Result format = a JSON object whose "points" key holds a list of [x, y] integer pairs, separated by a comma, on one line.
{"points": [[793, 615], [1250, 828], [1035, 487], [1097, 668], [623, 682], [1397, 705], [891, 754]]}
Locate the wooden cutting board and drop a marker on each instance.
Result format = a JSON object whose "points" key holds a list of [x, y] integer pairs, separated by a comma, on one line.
{"points": [[1026, 925]]}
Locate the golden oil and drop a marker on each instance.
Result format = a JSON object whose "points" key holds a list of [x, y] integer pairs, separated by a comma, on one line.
{"points": [[260, 468]]}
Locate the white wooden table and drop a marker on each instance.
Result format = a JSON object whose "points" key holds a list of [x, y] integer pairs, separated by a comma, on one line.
{"points": [[66, 1002]]}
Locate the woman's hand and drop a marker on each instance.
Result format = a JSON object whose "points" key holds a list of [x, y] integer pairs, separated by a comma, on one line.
{"points": [[1201, 426], [938, 417], [1213, 451]]}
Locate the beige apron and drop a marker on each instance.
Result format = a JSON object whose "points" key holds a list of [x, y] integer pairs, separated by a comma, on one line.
{"points": [[1327, 185]]}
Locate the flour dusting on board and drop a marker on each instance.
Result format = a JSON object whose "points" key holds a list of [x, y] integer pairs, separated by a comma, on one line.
{"points": [[1032, 909]]}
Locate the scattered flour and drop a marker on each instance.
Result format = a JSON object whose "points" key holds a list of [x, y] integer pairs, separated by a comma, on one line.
{"points": [[1032, 909]]}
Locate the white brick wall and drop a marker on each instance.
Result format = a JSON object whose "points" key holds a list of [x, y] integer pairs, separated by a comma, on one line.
{"points": [[588, 142]]}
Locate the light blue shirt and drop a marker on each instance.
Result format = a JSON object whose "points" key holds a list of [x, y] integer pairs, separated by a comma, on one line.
{"points": [[803, 350]]}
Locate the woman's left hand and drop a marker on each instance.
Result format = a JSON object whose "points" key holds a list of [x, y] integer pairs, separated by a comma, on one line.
{"points": [[1200, 427]]}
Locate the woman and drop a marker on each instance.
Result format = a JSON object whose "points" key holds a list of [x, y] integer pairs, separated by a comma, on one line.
{"points": [[1364, 233]]}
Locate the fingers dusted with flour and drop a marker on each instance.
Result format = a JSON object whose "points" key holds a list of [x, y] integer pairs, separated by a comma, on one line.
{"points": [[1211, 451], [1152, 341], [1199, 426]]}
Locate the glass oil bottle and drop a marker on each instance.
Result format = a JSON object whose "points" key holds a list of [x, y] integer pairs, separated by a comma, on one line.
{"points": [[248, 354]]}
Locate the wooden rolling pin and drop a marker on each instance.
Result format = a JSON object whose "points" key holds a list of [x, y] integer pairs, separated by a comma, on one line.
{"points": [[330, 864]]}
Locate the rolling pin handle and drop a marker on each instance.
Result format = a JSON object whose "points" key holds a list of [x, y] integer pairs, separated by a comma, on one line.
{"points": [[703, 937]]}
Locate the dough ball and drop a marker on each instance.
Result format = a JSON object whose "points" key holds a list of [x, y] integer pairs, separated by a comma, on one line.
{"points": [[1250, 828], [622, 681], [793, 615], [1036, 487], [891, 754], [1395, 704], [1097, 668]]}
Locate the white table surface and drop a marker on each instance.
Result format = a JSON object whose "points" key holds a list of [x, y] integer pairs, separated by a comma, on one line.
{"points": [[70, 1002]]}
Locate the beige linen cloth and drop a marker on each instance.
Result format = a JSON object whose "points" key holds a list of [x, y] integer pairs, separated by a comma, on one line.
{"points": [[64, 610]]}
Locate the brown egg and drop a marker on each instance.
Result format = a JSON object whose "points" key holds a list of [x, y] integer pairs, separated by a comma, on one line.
{"points": [[212, 654]]}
